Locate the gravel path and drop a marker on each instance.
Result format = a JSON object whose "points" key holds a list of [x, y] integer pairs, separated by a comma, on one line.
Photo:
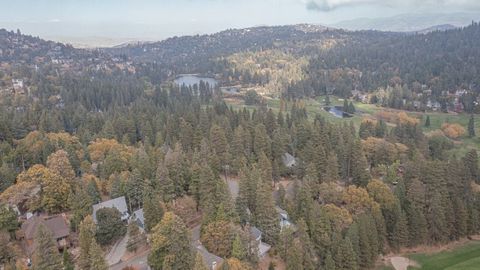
{"points": [[401, 263]]}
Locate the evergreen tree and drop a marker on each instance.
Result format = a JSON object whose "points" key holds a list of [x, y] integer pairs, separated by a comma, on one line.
{"points": [[67, 261], [359, 167], [166, 185], [199, 263], [331, 169], [427, 122], [345, 257], [239, 250], [97, 261], [265, 215], [110, 226], [85, 239], [294, 257], [471, 163], [171, 247], [92, 191], [135, 238], [308, 254], [329, 263], [153, 210], [471, 127], [46, 256]]}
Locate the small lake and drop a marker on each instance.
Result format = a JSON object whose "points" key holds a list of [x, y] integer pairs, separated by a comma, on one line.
{"points": [[190, 80], [337, 111]]}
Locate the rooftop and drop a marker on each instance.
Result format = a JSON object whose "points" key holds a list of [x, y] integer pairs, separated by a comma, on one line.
{"points": [[119, 203]]}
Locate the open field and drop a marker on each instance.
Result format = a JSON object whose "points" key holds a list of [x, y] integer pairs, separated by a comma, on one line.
{"points": [[466, 257]]}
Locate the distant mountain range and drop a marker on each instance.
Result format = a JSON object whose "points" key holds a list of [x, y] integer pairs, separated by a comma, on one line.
{"points": [[418, 22]]}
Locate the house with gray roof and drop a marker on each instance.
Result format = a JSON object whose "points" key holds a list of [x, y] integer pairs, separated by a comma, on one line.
{"points": [[137, 217], [283, 217], [263, 248], [119, 203], [288, 160]]}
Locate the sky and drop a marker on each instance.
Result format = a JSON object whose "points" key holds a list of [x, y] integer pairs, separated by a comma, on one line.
{"points": [[159, 19]]}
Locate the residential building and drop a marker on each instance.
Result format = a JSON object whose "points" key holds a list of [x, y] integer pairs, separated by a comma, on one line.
{"points": [[137, 217], [119, 203], [57, 225], [263, 248]]}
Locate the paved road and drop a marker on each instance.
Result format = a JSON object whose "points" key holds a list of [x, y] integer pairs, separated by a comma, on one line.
{"points": [[140, 261], [117, 251]]}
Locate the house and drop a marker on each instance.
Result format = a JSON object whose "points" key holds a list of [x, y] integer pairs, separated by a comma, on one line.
{"points": [[263, 248], [138, 217], [288, 160], [119, 203], [56, 225], [283, 217], [212, 261]]}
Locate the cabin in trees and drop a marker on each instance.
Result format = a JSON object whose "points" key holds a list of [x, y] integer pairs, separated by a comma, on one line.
{"points": [[283, 217], [57, 225], [288, 160], [263, 248], [119, 203], [138, 218]]}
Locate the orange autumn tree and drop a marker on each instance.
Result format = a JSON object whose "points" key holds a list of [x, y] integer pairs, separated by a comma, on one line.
{"points": [[452, 130]]}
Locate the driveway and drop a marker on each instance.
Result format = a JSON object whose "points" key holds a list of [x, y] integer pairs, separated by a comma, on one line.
{"points": [[117, 251], [139, 261]]}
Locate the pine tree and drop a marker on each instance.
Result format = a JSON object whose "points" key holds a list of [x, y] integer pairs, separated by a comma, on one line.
{"points": [[345, 257], [359, 167], [331, 170], [153, 210], [92, 191], [294, 257], [135, 238], [134, 190], [199, 263], [67, 261], [239, 250], [329, 263], [427, 122], [97, 261], [308, 254], [85, 239], [171, 247], [417, 225], [261, 141], [167, 187], [46, 256], [265, 167], [110, 226], [265, 214], [471, 127], [471, 163], [401, 231]]}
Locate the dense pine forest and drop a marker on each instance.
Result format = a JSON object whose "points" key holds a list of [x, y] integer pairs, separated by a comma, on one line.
{"points": [[88, 126]]}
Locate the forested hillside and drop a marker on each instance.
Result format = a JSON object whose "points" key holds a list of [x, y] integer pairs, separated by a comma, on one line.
{"points": [[112, 125]]}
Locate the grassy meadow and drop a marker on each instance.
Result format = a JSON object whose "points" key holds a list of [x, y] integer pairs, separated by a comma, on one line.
{"points": [[466, 257]]}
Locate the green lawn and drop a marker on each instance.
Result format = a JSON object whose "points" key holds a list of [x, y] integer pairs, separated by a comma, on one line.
{"points": [[463, 258]]}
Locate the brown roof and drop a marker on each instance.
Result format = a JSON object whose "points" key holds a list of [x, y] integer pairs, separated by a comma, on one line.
{"points": [[57, 225]]}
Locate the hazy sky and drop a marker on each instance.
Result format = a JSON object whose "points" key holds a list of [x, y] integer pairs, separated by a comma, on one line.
{"points": [[157, 19]]}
